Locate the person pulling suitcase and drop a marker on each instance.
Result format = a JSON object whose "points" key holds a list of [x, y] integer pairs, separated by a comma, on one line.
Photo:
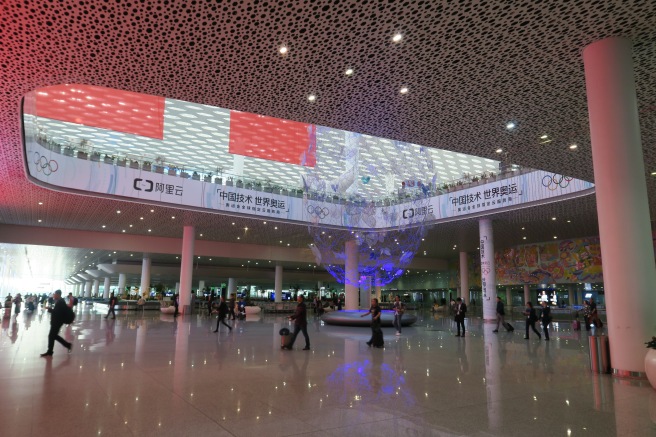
{"points": [[376, 333]]}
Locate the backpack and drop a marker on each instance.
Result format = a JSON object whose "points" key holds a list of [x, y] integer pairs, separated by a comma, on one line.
{"points": [[69, 316]]}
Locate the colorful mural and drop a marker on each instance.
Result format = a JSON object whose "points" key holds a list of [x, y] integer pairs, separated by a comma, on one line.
{"points": [[565, 261]]}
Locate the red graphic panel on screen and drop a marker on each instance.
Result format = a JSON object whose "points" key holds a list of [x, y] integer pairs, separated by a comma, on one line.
{"points": [[105, 108], [259, 136]]}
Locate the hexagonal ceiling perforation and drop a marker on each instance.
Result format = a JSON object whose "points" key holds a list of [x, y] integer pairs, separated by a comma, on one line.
{"points": [[469, 68]]}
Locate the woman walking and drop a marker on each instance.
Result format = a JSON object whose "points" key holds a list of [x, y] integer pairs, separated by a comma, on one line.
{"points": [[376, 333]]}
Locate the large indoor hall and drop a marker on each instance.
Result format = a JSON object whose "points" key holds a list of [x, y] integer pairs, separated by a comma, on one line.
{"points": [[150, 374]]}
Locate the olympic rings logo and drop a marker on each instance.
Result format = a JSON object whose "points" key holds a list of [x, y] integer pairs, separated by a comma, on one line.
{"points": [[552, 182], [44, 165], [318, 211]]}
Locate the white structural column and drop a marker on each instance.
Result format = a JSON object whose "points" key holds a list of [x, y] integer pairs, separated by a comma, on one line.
{"points": [[232, 287], [377, 288], [278, 284], [106, 288], [351, 276], [365, 291], [570, 292], [622, 203], [464, 278], [186, 269], [87, 288], [122, 279], [201, 285], [488, 270], [145, 275], [96, 288], [509, 298], [527, 293]]}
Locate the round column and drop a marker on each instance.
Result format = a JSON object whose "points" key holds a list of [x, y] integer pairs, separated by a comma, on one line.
{"points": [[351, 275], [186, 269], [232, 287], [278, 284], [509, 300], [106, 288], [87, 288], [488, 270], [145, 275], [96, 288], [121, 284], [527, 293], [622, 203], [464, 278]]}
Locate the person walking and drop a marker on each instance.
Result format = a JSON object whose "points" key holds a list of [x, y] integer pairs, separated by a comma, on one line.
{"points": [[300, 323], [57, 317], [545, 318], [112, 303], [176, 304], [500, 314], [531, 318], [18, 300], [223, 311], [399, 309], [460, 311], [376, 333], [232, 303]]}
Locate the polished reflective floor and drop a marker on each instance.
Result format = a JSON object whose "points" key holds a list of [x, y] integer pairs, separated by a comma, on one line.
{"points": [[151, 374]]}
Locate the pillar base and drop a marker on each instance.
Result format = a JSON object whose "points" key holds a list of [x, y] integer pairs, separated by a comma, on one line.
{"points": [[628, 374]]}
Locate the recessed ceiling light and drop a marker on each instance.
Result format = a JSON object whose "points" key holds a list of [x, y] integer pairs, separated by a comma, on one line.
{"points": [[40, 203], [148, 230], [238, 238], [140, 218], [499, 150], [573, 146], [152, 210], [233, 223], [404, 90], [522, 228], [265, 223], [397, 37], [130, 225], [653, 173], [553, 218], [523, 238], [349, 72], [103, 226], [118, 212], [40, 220], [569, 221], [283, 50], [510, 125], [544, 137], [123, 230], [173, 217], [555, 237], [312, 97]]}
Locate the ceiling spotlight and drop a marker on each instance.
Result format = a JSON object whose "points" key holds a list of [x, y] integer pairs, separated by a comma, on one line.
{"points": [[40, 203], [118, 212], [553, 218], [283, 50], [404, 90], [499, 150], [544, 137], [573, 146], [397, 37], [653, 173], [349, 72], [312, 97], [555, 237], [510, 125]]}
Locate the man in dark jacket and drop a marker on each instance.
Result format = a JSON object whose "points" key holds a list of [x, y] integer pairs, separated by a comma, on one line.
{"points": [[500, 314], [223, 311], [460, 311], [300, 323], [112, 303], [57, 316]]}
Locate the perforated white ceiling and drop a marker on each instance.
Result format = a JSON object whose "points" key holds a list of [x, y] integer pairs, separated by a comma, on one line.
{"points": [[469, 68]]}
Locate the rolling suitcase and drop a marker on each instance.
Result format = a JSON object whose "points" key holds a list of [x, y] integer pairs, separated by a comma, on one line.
{"points": [[576, 325], [508, 327], [285, 338]]}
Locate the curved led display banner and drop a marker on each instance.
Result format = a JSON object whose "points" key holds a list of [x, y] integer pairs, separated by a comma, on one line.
{"points": [[129, 146]]}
